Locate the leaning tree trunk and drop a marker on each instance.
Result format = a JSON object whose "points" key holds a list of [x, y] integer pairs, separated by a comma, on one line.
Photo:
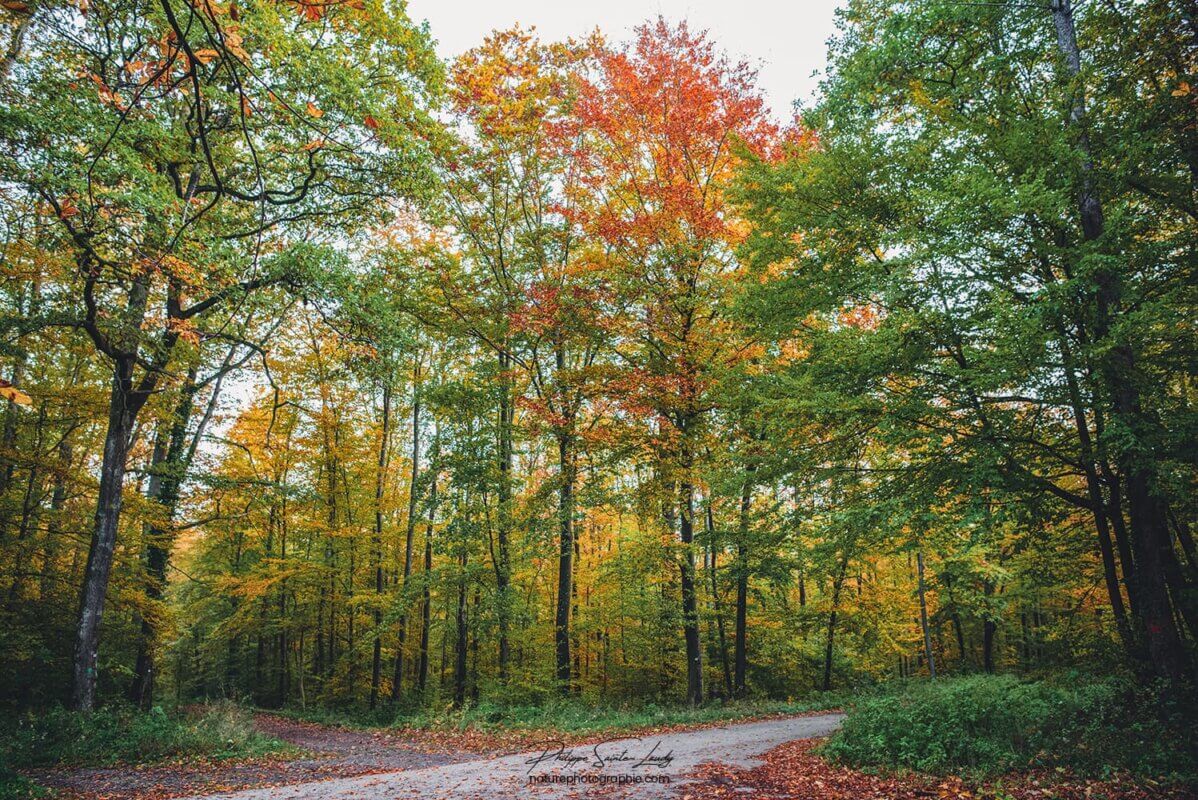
{"points": [[1098, 503], [123, 404]]}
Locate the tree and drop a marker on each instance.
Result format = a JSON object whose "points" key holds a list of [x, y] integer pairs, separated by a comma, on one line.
{"points": [[973, 254], [667, 121], [186, 154], [530, 295]]}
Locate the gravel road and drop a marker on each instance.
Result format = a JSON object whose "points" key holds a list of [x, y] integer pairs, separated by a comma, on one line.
{"points": [[650, 767]]}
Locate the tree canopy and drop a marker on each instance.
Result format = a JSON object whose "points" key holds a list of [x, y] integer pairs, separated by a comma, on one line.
{"points": [[338, 375]]}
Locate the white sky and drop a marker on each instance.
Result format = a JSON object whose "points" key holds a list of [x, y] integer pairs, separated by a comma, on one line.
{"points": [[785, 41]]}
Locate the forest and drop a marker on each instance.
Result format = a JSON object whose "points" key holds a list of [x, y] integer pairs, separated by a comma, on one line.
{"points": [[338, 376]]}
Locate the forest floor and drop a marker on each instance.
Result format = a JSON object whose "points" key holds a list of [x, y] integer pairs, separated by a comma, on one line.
{"points": [[770, 758], [327, 754], [323, 752]]}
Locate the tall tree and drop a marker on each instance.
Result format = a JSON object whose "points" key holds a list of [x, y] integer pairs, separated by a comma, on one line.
{"points": [[666, 120]]}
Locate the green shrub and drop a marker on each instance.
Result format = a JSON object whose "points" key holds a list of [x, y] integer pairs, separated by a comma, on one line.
{"points": [[567, 715], [116, 735], [14, 787], [986, 725], [573, 716]]}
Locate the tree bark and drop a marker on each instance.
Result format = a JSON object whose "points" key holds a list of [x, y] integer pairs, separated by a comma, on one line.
{"points": [[426, 589], [923, 618], [715, 603], [462, 642], [837, 582], [376, 661], [169, 463], [409, 533], [502, 568], [690, 608], [123, 405], [742, 587], [565, 563]]}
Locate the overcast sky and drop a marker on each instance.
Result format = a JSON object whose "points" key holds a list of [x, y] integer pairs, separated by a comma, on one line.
{"points": [[785, 41]]}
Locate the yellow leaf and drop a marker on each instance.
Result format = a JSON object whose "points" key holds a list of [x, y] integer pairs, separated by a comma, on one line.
{"points": [[204, 56], [313, 111], [1182, 89], [12, 393]]}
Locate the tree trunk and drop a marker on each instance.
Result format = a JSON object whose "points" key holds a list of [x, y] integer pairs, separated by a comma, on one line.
{"points": [[988, 631], [837, 582], [169, 465], [923, 618], [58, 499], [463, 636], [690, 608], [426, 606], [742, 586], [31, 507], [141, 689], [565, 564], [1184, 538], [376, 661], [409, 533], [502, 569], [123, 405], [1094, 492], [1146, 506], [715, 603]]}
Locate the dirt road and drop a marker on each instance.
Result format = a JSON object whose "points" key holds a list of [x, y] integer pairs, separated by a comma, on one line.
{"points": [[638, 767]]}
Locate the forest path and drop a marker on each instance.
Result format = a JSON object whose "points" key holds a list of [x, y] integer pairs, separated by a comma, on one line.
{"points": [[648, 766]]}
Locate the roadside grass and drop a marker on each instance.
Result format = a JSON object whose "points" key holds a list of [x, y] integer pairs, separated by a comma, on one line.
{"points": [[123, 735], [15, 787], [985, 726], [569, 717]]}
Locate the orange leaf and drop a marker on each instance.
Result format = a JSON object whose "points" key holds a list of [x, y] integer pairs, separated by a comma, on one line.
{"points": [[311, 11], [313, 111]]}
